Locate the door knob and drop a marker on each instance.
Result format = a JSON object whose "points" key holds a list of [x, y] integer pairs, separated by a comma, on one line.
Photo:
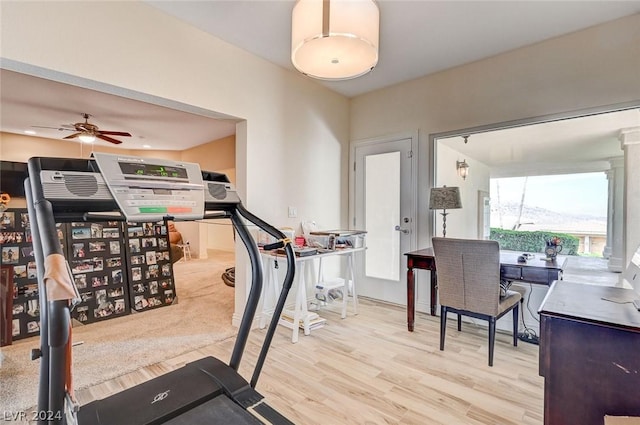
{"points": [[400, 229]]}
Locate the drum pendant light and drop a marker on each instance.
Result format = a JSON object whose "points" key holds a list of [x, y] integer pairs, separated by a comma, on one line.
{"points": [[335, 39]]}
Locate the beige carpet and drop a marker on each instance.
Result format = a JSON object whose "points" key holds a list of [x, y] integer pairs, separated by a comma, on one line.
{"points": [[114, 347]]}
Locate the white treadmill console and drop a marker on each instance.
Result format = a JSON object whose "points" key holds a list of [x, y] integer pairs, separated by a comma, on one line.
{"points": [[149, 189]]}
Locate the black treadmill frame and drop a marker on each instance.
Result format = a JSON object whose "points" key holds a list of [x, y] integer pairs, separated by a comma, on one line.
{"points": [[55, 316]]}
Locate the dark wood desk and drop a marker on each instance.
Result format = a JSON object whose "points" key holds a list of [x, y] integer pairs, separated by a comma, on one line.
{"points": [[533, 271], [589, 354]]}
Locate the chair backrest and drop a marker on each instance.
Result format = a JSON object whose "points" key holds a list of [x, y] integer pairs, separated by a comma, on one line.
{"points": [[468, 273]]}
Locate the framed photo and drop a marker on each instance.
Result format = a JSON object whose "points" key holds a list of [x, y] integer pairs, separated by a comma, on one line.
{"points": [[20, 272], [136, 274], [27, 251], [168, 296], [24, 220], [98, 264], [149, 242], [33, 326], [80, 281], [7, 220], [135, 232], [151, 257], [10, 255], [82, 313], [134, 245], [119, 306], [80, 233], [110, 232], [114, 247], [97, 246], [114, 262], [115, 292], [81, 266], [78, 250], [116, 277], [96, 230], [137, 259]]}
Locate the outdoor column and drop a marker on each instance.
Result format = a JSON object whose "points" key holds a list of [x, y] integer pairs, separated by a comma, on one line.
{"points": [[630, 142], [615, 211]]}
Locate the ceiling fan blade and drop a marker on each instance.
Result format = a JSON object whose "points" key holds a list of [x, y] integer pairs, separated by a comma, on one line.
{"points": [[108, 139], [53, 128], [115, 133], [71, 136]]}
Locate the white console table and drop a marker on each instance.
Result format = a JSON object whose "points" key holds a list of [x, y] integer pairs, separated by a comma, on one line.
{"points": [[301, 314]]}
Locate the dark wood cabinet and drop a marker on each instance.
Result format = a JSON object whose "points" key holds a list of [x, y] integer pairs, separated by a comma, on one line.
{"points": [[6, 304], [589, 354]]}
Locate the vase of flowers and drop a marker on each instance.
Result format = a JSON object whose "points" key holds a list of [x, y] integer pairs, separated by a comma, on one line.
{"points": [[553, 247]]}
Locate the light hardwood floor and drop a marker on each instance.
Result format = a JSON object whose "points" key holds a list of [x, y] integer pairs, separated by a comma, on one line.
{"points": [[368, 369]]}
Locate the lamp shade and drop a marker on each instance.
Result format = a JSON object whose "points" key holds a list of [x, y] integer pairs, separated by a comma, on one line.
{"points": [[444, 198], [335, 39]]}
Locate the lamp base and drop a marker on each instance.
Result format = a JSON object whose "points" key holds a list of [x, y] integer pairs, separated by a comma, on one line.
{"points": [[444, 214]]}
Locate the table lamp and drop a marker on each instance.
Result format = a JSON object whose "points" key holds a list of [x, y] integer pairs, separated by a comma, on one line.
{"points": [[444, 198]]}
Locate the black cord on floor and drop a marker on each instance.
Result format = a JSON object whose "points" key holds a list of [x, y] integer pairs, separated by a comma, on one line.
{"points": [[529, 334]]}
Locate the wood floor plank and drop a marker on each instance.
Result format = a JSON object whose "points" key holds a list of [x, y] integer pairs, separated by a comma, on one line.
{"points": [[368, 369]]}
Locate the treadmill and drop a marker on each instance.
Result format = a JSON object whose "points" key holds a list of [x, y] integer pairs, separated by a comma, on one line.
{"points": [[134, 189]]}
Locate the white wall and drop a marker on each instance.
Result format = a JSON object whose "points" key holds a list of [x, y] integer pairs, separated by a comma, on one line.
{"points": [[292, 148], [461, 223]]}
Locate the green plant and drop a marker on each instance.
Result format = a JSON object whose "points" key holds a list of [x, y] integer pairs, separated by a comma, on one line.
{"points": [[519, 240]]}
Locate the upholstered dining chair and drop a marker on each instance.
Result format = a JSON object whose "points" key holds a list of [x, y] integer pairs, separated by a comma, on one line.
{"points": [[468, 272]]}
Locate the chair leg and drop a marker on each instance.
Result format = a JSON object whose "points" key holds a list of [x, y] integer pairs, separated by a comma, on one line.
{"points": [[443, 325], [459, 322], [516, 316], [492, 338]]}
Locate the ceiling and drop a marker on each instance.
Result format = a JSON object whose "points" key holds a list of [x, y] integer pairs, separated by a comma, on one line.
{"points": [[416, 38], [29, 101], [583, 144]]}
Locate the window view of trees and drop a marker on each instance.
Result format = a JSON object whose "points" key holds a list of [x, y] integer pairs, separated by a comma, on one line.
{"points": [[572, 204]]}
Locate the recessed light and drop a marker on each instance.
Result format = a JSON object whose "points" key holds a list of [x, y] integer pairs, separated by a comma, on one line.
{"points": [[30, 132], [146, 146]]}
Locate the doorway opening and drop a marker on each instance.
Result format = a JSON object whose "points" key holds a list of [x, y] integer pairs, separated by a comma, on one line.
{"points": [[555, 151]]}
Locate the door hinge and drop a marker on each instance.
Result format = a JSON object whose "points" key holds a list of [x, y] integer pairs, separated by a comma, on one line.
{"points": [[354, 166], [354, 222], [410, 154]]}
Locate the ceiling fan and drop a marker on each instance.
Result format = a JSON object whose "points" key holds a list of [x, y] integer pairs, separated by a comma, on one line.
{"points": [[88, 132]]}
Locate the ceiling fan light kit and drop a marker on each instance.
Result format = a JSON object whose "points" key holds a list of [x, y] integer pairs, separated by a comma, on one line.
{"points": [[335, 39], [87, 138]]}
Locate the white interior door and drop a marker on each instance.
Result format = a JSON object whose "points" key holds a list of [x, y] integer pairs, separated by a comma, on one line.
{"points": [[384, 207]]}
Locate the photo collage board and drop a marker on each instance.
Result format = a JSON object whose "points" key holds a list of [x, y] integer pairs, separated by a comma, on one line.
{"points": [[115, 271], [96, 259], [16, 246], [150, 271]]}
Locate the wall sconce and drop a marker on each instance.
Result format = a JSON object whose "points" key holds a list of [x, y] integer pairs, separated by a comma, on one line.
{"points": [[463, 169]]}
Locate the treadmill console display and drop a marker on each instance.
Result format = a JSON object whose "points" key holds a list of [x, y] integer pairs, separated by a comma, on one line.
{"points": [[153, 170], [153, 189]]}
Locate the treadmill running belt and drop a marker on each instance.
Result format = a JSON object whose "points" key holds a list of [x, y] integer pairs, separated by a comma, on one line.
{"points": [[221, 410], [158, 399]]}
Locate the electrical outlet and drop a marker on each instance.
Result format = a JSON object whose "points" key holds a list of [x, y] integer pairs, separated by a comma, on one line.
{"points": [[293, 212]]}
